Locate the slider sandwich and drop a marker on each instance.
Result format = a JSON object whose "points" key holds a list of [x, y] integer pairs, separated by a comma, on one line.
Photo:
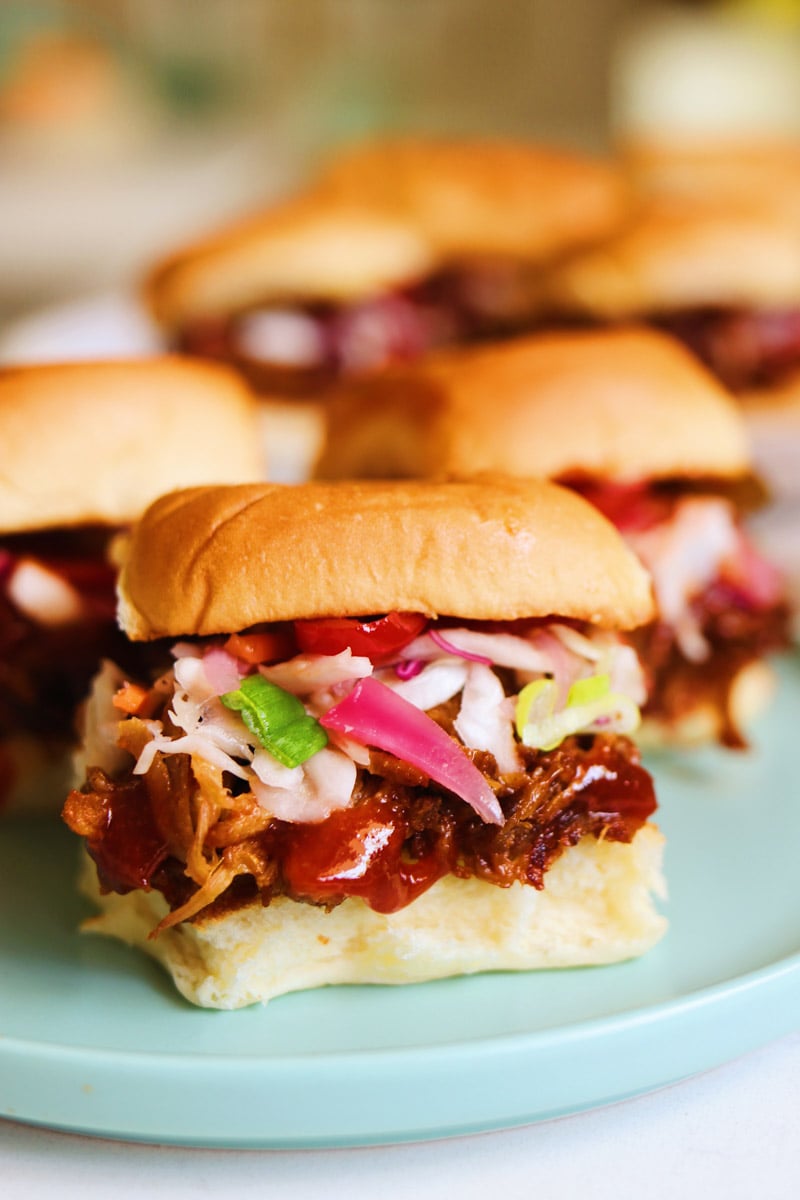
{"points": [[386, 741], [85, 448], [396, 247], [632, 421], [720, 272]]}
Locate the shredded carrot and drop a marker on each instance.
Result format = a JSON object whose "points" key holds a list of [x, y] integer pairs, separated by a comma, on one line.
{"points": [[131, 698], [260, 647]]}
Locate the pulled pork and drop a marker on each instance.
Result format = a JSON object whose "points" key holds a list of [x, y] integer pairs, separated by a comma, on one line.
{"points": [[744, 348], [45, 667], [729, 610], [304, 347], [183, 829]]}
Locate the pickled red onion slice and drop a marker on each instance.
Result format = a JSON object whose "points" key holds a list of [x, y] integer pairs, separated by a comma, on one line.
{"points": [[450, 648], [375, 716]]}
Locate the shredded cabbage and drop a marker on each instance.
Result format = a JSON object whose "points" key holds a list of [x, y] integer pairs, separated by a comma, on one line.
{"points": [[591, 708]]}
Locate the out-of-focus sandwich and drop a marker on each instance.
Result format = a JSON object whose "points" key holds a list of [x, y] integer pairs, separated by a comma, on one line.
{"points": [[85, 448], [714, 258], [631, 420], [721, 274], [388, 745], [397, 246]]}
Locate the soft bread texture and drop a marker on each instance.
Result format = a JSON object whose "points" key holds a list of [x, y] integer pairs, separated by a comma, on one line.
{"points": [[389, 213], [216, 560], [499, 198], [727, 168], [96, 442], [622, 405], [597, 907], [312, 248], [681, 254]]}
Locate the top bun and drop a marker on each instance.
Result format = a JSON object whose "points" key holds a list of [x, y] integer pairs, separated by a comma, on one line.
{"points": [[624, 405], [312, 248], [386, 214], [728, 168], [218, 560], [95, 443], [484, 197], [687, 253]]}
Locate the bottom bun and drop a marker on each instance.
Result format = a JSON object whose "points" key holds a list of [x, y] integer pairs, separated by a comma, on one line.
{"points": [[597, 907], [751, 694]]}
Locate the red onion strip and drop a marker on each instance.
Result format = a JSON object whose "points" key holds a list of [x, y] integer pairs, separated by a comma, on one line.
{"points": [[449, 648], [376, 716]]}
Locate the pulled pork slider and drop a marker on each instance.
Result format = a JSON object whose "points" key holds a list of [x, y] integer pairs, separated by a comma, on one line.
{"points": [[388, 745], [85, 449], [631, 420], [721, 273], [397, 246]]}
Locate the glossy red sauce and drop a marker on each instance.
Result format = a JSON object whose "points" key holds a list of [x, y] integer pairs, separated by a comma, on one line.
{"points": [[358, 852], [120, 832], [396, 842]]}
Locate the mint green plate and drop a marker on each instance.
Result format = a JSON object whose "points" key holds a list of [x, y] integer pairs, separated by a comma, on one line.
{"points": [[94, 1039]]}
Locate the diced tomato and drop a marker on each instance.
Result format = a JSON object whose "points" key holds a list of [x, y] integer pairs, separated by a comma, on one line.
{"points": [[380, 640], [630, 507]]}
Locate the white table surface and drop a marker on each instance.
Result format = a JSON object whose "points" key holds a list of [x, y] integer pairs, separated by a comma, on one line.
{"points": [[732, 1133]]}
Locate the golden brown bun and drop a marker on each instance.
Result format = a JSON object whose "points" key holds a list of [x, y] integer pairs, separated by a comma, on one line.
{"points": [[684, 254], [215, 560], [731, 169], [485, 197], [96, 442], [312, 248], [386, 214], [621, 405], [596, 907]]}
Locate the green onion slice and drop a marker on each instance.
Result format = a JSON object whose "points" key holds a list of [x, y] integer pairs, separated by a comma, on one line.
{"points": [[277, 719], [591, 708]]}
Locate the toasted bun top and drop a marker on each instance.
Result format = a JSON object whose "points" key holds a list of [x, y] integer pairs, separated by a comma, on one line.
{"points": [[218, 560], [485, 197], [684, 253], [312, 248], [84, 443], [729, 168], [624, 405], [388, 213]]}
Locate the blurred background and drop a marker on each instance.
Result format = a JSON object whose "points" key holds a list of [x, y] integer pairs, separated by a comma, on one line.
{"points": [[126, 126]]}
